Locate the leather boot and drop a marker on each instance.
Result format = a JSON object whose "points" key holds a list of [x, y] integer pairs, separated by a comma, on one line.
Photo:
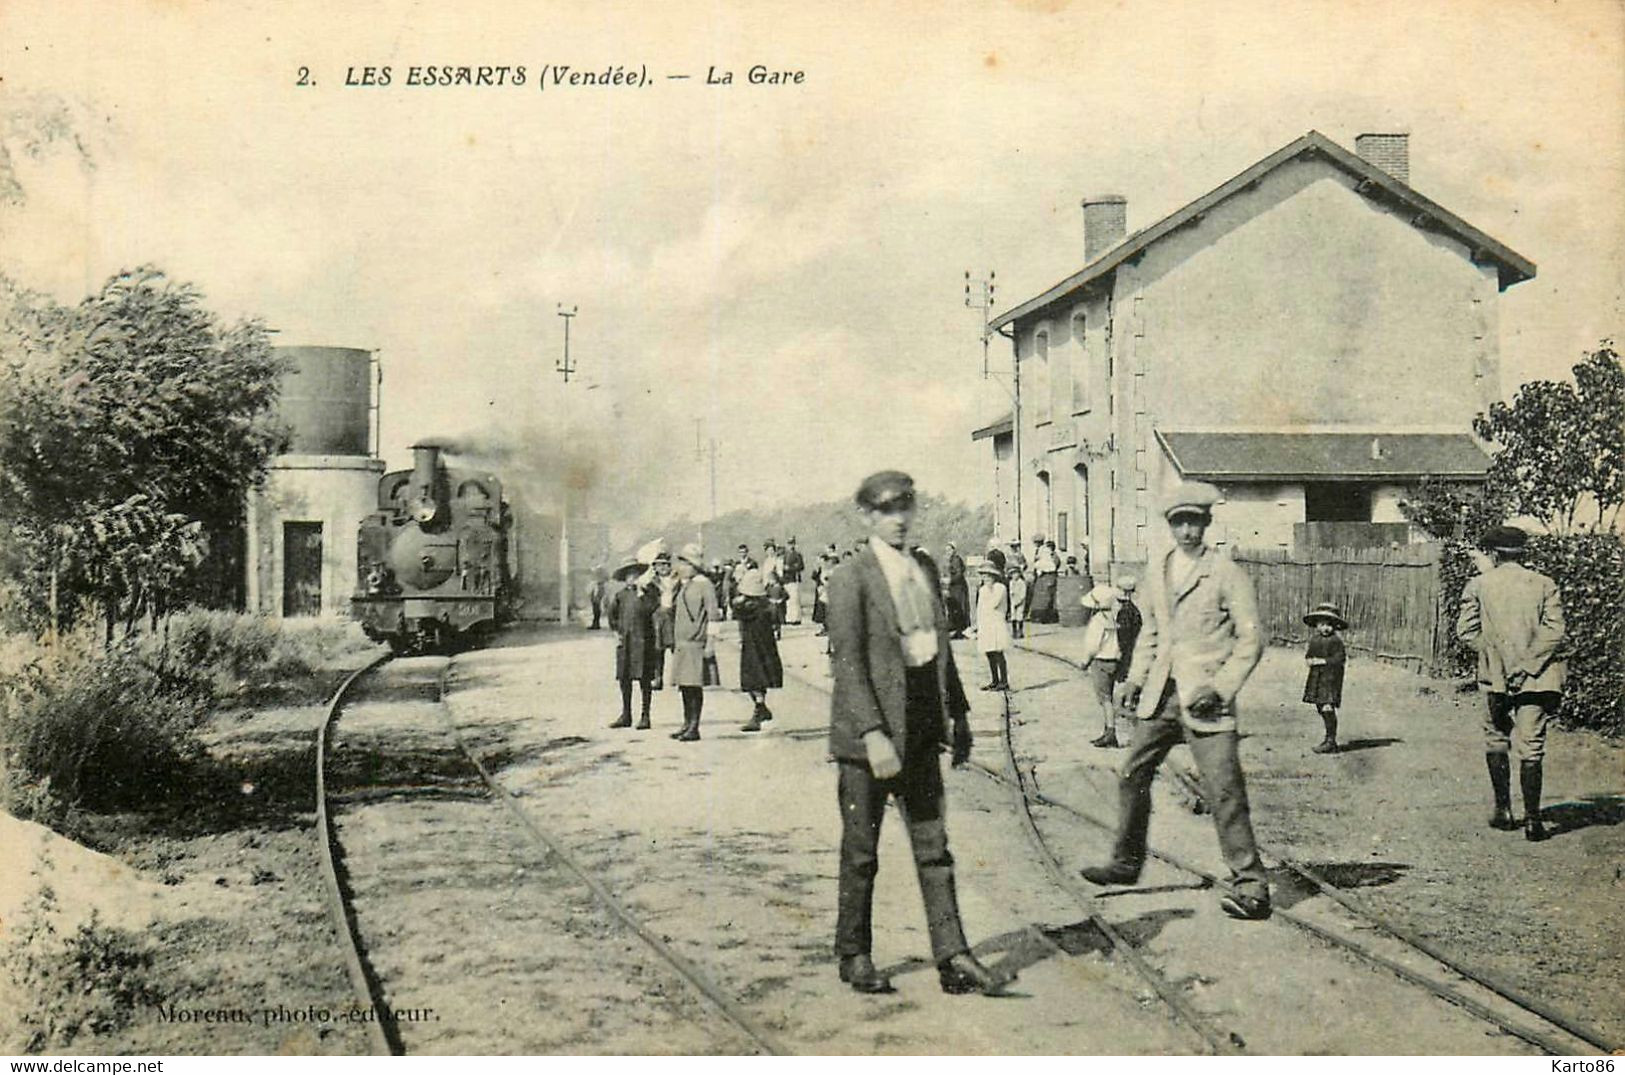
{"points": [[1500, 767], [964, 974], [859, 972], [623, 721], [755, 722], [1529, 776]]}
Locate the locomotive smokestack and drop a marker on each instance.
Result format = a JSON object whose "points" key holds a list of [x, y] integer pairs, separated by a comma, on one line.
{"points": [[428, 500]]}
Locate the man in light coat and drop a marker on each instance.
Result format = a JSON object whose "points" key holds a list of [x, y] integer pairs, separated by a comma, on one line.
{"points": [[1513, 617], [897, 701], [1199, 642]]}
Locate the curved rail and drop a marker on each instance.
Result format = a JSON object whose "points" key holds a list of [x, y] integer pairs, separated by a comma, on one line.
{"points": [[382, 1033], [1583, 1032], [1217, 1041], [690, 973]]}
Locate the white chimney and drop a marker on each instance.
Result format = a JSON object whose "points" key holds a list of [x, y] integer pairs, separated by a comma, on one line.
{"points": [[1105, 222], [1390, 152]]}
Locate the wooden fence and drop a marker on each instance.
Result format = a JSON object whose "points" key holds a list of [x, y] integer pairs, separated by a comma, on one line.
{"points": [[1389, 596]]}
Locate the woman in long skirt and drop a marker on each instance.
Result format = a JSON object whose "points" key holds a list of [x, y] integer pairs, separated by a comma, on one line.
{"points": [[760, 669]]}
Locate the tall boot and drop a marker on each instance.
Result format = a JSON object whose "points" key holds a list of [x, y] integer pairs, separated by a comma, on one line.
{"points": [[1529, 776], [691, 731], [625, 719], [1328, 745], [688, 712], [648, 698], [1500, 767], [755, 722]]}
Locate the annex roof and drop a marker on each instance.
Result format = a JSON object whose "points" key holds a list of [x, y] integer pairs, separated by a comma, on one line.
{"points": [[995, 429], [1227, 455], [1511, 266]]}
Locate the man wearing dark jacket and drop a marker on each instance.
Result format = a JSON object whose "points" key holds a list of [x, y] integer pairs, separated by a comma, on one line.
{"points": [[897, 701]]}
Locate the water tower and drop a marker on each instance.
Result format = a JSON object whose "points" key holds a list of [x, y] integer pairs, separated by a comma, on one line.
{"points": [[301, 527]]}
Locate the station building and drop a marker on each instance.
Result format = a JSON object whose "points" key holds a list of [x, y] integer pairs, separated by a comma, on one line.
{"points": [[1314, 336]]}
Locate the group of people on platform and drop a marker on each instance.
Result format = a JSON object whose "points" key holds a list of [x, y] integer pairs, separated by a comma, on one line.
{"points": [[1173, 666], [665, 605]]}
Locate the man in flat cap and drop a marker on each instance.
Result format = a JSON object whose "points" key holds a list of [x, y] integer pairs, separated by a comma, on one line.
{"points": [[1513, 617], [897, 702], [1199, 641]]}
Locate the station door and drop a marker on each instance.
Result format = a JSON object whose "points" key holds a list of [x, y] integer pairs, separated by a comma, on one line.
{"points": [[301, 569]]}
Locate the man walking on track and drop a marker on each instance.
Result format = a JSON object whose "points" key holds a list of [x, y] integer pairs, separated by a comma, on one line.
{"points": [[1199, 642], [1513, 617], [897, 702]]}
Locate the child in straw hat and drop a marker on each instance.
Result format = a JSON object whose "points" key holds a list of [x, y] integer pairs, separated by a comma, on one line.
{"points": [[1325, 657]]}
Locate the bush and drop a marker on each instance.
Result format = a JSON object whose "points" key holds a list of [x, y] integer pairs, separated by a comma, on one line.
{"points": [[245, 653], [91, 981], [1589, 570], [98, 729]]}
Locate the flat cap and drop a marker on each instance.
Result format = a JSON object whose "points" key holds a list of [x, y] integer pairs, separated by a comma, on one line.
{"points": [[886, 489], [1506, 539], [1188, 498]]}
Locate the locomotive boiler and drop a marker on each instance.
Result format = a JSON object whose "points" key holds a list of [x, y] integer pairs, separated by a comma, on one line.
{"points": [[433, 559]]}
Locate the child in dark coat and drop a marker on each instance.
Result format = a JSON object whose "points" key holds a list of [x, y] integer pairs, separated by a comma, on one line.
{"points": [[1325, 657], [760, 669]]}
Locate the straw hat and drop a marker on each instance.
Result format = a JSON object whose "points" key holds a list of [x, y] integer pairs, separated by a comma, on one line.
{"points": [[1326, 611], [630, 565], [989, 568], [1101, 597]]}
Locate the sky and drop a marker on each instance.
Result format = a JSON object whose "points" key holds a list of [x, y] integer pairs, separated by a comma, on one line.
{"points": [[775, 267]]}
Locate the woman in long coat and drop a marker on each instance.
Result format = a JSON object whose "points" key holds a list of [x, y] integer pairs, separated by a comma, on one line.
{"points": [[633, 608], [760, 669], [957, 594], [993, 624], [696, 621]]}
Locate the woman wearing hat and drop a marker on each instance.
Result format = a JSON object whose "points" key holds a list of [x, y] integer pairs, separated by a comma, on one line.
{"points": [[696, 621], [632, 611], [759, 667], [1325, 657], [993, 623], [1101, 654]]}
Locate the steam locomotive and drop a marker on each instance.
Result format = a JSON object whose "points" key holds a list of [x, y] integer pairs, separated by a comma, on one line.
{"points": [[433, 559]]}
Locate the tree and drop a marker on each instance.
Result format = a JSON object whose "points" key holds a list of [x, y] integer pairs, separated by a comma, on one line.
{"points": [[131, 426], [1561, 445]]}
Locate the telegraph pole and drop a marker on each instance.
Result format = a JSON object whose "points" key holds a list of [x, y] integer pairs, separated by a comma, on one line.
{"points": [[564, 367], [709, 449], [980, 295]]}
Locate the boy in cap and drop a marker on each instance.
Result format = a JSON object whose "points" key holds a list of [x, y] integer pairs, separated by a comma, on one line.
{"points": [[897, 701], [1513, 617], [1199, 642]]}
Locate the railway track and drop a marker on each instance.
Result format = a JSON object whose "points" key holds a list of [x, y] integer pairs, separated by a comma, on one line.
{"points": [[1530, 1020], [384, 1030], [1213, 1039], [1553, 1032]]}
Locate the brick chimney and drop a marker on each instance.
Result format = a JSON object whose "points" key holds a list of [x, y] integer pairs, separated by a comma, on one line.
{"points": [[1105, 222], [1390, 152]]}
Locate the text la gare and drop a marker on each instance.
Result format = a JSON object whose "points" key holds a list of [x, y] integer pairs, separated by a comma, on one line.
{"points": [[758, 75]]}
